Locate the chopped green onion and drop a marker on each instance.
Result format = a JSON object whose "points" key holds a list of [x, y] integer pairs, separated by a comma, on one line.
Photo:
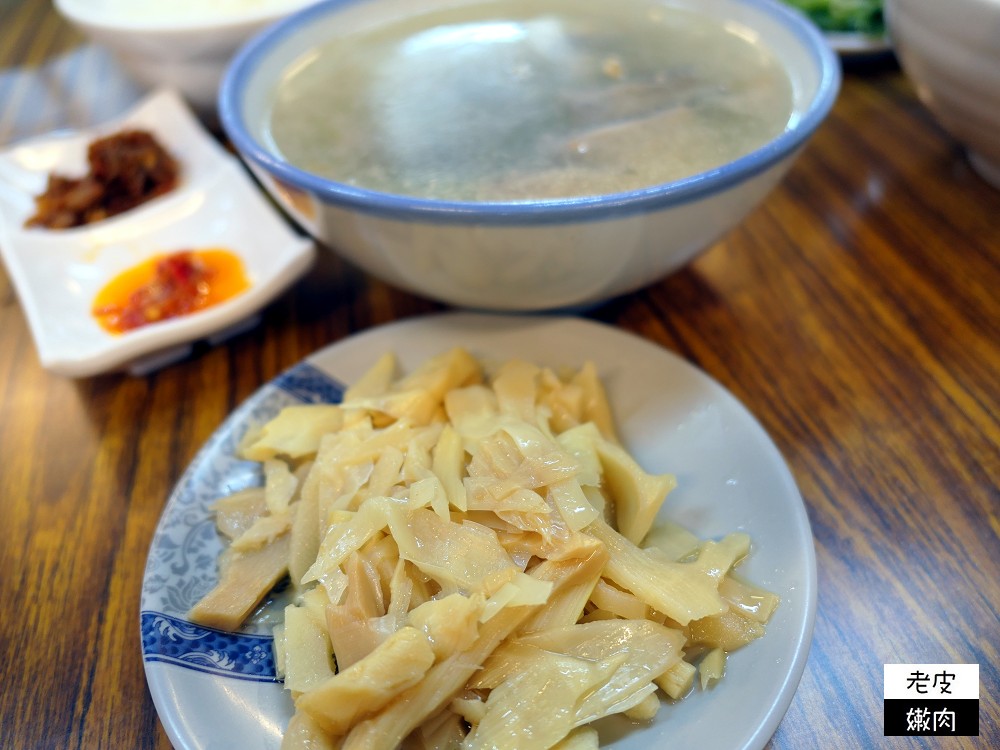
{"points": [[859, 16]]}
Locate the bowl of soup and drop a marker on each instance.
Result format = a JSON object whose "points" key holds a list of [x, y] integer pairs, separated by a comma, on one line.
{"points": [[526, 154]]}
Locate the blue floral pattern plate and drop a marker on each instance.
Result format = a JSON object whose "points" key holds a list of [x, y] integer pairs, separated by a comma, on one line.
{"points": [[218, 690]]}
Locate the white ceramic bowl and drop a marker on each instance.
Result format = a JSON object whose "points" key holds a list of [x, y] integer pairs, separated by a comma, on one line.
{"points": [[528, 255], [179, 44], [951, 51]]}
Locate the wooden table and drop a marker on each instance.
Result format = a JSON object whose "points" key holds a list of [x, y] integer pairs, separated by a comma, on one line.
{"points": [[856, 313]]}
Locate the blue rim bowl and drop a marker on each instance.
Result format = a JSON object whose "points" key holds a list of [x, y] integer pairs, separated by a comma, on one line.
{"points": [[557, 210]]}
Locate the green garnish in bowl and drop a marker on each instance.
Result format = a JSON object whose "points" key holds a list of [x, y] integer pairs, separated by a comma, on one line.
{"points": [[858, 16]]}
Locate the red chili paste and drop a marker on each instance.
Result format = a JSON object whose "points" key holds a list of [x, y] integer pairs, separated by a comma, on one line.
{"points": [[168, 286]]}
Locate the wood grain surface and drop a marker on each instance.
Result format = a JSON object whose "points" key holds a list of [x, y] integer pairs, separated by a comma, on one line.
{"points": [[856, 313]]}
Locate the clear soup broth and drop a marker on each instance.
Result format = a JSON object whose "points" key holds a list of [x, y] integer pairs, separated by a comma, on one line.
{"points": [[515, 100]]}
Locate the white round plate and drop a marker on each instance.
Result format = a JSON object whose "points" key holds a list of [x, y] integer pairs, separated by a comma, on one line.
{"points": [[217, 690]]}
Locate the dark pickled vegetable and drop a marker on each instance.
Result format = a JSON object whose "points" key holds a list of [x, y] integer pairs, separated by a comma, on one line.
{"points": [[126, 170]]}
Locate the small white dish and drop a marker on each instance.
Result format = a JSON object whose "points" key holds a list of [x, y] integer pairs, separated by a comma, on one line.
{"points": [[214, 689], [57, 273]]}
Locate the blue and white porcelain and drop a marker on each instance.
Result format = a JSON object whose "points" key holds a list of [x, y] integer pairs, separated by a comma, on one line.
{"points": [[218, 690]]}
